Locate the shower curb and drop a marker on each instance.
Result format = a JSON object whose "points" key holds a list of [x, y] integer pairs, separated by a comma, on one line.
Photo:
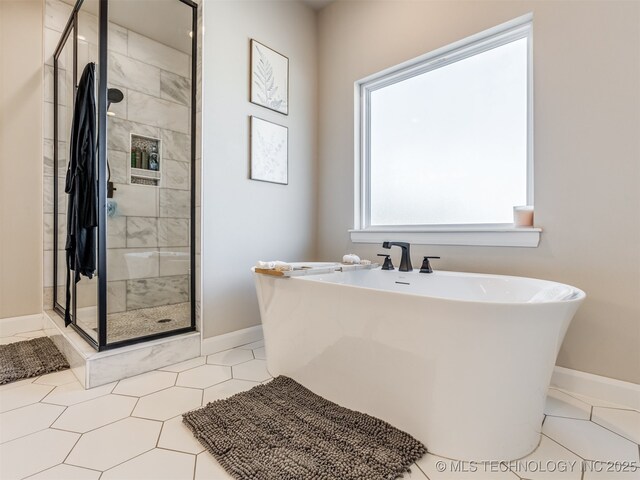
{"points": [[94, 369]]}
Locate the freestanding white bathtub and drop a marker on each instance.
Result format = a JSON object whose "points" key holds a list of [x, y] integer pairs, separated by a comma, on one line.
{"points": [[461, 361]]}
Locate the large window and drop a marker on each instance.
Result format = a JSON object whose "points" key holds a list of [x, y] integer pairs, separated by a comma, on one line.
{"points": [[446, 139]]}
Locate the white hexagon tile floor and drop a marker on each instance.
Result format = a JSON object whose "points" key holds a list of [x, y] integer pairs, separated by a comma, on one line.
{"points": [[50, 428]]}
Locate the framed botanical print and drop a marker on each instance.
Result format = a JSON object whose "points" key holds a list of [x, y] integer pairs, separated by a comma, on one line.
{"points": [[269, 78], [269, 151]]}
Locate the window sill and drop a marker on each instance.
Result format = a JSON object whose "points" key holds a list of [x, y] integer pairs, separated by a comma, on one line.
{"points": [[472, 236]]}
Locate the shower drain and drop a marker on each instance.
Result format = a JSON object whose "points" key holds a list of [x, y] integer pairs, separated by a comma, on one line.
{"points": [[165, 320]]}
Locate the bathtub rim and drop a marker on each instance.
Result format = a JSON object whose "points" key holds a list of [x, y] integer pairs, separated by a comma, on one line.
{"points": [[579, 294]]}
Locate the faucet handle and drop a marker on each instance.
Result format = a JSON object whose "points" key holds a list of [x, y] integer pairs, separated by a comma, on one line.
{"points": [[426, 266], [387, 265]]}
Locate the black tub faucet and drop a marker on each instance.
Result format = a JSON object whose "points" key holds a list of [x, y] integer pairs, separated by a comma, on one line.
{"points": [[426, 266], [405, 261], [387, 262]]}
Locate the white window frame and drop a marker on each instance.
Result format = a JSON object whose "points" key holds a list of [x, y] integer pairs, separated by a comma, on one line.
{"points": [[478, 234]]}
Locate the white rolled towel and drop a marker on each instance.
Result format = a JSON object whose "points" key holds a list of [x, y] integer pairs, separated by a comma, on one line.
{"points": [[266, 265], [275, 265], [283, 266], [351, 259]]}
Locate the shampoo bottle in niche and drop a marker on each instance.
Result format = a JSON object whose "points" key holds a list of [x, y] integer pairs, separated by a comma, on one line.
{"points": [[145, 159], [138, 158], [153, 158]]}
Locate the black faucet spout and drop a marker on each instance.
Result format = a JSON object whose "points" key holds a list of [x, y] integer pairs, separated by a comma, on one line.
{"points": [[405, 261]]}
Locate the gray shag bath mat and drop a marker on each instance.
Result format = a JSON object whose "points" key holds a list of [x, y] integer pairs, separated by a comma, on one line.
{"points": [[282, 431], [30, 358]]}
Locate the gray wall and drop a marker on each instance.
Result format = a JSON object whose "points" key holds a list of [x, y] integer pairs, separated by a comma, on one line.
{"points": [[20, 157], [245, 220], [587, 119]]}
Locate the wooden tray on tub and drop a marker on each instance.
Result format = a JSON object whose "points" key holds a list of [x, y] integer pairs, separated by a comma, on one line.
{"points": [[304, 270]]}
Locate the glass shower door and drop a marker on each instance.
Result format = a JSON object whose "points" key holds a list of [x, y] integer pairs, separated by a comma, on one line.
{"points": [[79, 48], [63, 112], [149, 152], [86, 290]]}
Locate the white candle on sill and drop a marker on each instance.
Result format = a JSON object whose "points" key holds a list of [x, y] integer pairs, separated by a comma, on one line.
{"points": [[523, 216]]}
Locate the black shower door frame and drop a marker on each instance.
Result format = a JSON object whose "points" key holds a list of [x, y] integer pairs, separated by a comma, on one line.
{"points": [[72, 26]]}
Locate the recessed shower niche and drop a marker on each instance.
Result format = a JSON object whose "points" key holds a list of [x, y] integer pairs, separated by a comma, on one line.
{"points": [[146, 161], [144, 283]]}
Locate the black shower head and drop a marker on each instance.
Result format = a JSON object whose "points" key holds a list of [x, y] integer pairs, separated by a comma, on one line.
{"points": [[114, 95]]}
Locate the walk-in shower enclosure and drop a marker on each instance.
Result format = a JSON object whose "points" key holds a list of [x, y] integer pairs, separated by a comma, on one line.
{"points": [[145, 56]]}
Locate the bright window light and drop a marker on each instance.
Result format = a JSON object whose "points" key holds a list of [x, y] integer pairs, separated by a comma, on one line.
{"points": [[446, 141]]}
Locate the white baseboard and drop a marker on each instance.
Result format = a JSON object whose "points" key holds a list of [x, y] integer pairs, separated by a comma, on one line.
{"points": [[231, 340], [26, 323], [70, 347], [605, 388]]}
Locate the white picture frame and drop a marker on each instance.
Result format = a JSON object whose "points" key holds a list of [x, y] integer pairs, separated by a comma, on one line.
{"points": [[269, 78], [269, 151]]}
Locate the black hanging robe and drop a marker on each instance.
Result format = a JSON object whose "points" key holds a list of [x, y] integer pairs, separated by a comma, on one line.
{"points": [[82, 215]]}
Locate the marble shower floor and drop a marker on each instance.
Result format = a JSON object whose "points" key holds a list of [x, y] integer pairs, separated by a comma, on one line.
{"points": [[142, 322], [51, 428]]}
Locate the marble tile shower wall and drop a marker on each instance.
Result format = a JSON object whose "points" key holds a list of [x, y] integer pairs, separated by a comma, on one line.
{"points": [[148, 237]]}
